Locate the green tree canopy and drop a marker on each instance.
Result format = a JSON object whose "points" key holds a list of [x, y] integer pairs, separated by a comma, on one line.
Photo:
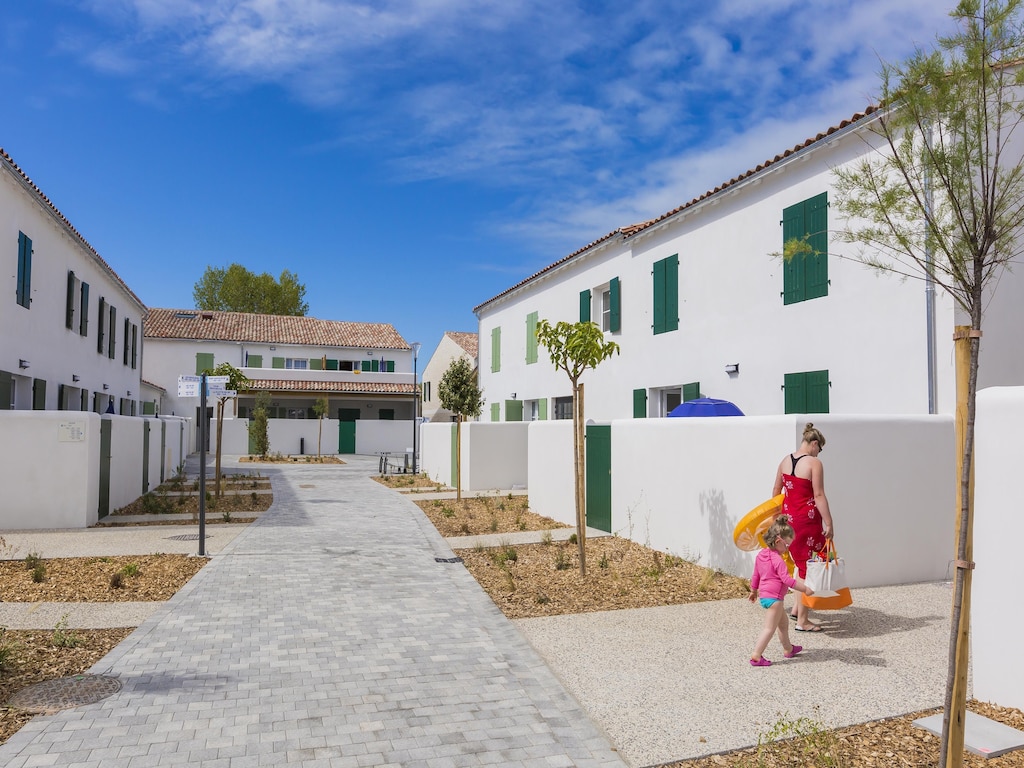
{"points": [[236, 289], [458, 390]]}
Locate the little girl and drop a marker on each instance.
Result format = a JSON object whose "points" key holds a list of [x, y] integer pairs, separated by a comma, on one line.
{"points": [[771, 580]]}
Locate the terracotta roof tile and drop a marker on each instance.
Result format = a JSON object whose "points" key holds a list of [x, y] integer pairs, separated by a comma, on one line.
{"points": [[13, 166], [269, 329], [633, 229], [468, 341], [349, 387]]}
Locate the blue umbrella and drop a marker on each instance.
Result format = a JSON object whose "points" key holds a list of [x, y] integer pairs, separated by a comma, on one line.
{"points": [[706, 406]]}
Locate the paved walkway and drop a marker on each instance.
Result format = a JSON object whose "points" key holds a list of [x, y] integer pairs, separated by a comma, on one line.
{"points": [[327, 634]]}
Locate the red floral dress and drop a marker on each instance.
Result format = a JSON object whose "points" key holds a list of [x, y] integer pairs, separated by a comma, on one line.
{"points": [[803, 516]]}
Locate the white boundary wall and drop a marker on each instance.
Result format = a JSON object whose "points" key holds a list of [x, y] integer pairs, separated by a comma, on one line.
{"points": [[494, 455], [436, 450], [550, 468], [372, 436], [996, 623], [50, 465]]}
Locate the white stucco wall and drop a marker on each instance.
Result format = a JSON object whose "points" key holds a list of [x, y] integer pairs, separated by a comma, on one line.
{"points": [[372, 436], [436, 451], [550, 470], [731, 312], [494, 456], [996, 623], [49, 469]]}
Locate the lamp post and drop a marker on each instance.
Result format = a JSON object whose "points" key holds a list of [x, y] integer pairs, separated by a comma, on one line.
{"points": [[415, 407]]}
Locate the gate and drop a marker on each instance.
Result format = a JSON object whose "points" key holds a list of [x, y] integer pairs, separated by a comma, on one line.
{"points": [[105, 428], [347, 429], [599, 477]]}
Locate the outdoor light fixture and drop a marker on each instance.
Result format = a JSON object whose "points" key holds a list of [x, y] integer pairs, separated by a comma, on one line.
{"points": [[106, 387], [732, 368], [23, 364], [128, 393], [75, 377], [513, 395]]}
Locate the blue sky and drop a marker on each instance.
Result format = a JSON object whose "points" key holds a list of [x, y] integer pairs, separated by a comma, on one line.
{"points": [[410, 159]]}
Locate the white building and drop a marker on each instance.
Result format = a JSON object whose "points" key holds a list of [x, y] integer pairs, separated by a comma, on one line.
{"points": [[700, 306], [454, 345], [364, 369], [71, 335]]}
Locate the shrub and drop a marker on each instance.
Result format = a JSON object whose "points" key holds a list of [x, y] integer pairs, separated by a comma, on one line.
{"points": [[32, 559], [8, 650], [64, 637], [116, 580], [39, 573]]}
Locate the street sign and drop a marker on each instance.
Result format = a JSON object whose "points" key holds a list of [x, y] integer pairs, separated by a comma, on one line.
{"points": [[221, 380], [188, 386], [218, 392]]}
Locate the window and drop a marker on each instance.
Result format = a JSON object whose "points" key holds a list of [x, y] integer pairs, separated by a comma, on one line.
{"points": [[585, 306], [386, 414], [806, 392], [805, 276], [344, 365], [38, 394], [425, 386], [513, 410], [495, 350], [611, 314], [296, 363], [531, 338], [24, 270], [666, 294], [563, 408]]}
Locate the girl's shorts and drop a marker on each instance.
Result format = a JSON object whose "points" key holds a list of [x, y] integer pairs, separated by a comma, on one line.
{"points": [[768, 602]]}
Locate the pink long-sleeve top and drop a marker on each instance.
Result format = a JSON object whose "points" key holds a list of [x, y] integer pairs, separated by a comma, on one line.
{"points": [[771, 576]]}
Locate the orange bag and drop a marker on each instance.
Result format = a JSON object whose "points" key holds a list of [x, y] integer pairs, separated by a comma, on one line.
{"points": [[841, 599]]}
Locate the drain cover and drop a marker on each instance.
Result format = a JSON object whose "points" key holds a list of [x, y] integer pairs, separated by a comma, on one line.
{"points": [[447, 559], [187, 537], [52, 696]]}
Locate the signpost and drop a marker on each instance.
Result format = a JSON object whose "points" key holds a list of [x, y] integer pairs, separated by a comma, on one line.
{"points": [[202, 386]]}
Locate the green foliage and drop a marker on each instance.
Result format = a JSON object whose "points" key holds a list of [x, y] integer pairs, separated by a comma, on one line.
{"points": [[131, 569], [39, 573], [64, 637], [574, 347], [458, 391], [258, 428], [562, 561], [236, 289], [32, 559], [796, 742], [321, 408], [8, 650]]}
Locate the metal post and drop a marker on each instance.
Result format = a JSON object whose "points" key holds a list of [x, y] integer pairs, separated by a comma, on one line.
{"points": [[202, 465], [415, 407]]}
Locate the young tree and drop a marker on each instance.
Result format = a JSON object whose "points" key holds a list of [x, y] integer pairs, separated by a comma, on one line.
{"points": [[236, 289], [321, 408], [459, 393], [942, 199], [238, 382], [574, 347], [258, 428]]}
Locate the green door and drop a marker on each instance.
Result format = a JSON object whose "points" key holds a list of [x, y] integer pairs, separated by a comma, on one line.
{"points": [[347, 429], [599, 477], [104, 506], [145, 456]]}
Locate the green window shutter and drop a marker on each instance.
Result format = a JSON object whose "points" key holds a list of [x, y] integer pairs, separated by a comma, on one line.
{"points": [[331, 365], [135, 346], [101, 318], [691, 391], [375, 365], [38, 394], [277, 362], [793, 269], [495, 352], [666, 294], [69, 306], [513, 410], [83, 328], [315, 363], [149, 408], [390, 366], [6, 386], [614, 293], [585, 306], [127, 346], [24, 290], [495, 412], [365, 366], [204, 362], [639, 403], [795, 387], [84, 406], [531, 338], [255, 361], [111, 333], [60, 398], [542, 409], [816, 268], [817, 391]]}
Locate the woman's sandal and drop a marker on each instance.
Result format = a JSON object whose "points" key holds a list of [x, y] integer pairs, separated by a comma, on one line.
{"points": [[812, 628]]}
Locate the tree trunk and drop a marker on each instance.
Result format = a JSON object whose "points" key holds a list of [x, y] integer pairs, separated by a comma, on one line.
{"points": [[220, 432], [966, 342], [458, 458], [579, 452]]}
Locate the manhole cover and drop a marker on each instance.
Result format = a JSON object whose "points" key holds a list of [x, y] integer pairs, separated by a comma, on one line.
{"points": [[64, 693], [187, 537]]}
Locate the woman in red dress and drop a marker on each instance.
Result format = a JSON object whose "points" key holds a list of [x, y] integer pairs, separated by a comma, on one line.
{"points": [[801, 477]]}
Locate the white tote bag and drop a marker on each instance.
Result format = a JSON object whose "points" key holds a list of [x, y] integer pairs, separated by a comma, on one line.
{"points": [[826, 573]]}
